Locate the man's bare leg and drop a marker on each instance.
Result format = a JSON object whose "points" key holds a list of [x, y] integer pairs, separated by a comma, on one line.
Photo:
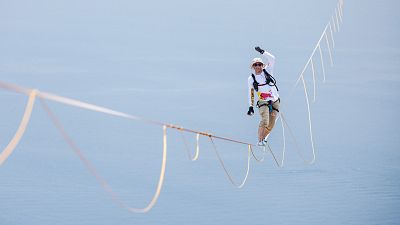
{"points": [[261, 133]]}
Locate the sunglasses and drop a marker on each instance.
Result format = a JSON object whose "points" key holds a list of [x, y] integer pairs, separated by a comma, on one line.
{"points": [[258, 64]]}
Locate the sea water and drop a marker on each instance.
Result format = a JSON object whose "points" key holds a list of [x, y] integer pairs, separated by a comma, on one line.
{"points": [[187, 63]]}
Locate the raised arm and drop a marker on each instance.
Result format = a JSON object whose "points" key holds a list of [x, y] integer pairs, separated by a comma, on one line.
{"points": [[270, 59]]}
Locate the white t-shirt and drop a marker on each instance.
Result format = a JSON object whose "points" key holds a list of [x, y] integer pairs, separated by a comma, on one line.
{"points": [[265, 92]]}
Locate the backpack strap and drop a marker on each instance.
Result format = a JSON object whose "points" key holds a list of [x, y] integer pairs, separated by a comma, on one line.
{"points": [[270, 79], [255, 83]]}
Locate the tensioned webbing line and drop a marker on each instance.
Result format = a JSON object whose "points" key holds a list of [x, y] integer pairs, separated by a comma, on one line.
{"points": [[92, 107]]}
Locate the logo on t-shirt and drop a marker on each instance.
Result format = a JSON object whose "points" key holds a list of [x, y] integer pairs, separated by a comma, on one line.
{"points": [[264, 96]]}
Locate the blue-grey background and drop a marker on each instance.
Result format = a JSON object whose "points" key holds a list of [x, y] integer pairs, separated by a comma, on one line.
{"points": [[187, 62]]}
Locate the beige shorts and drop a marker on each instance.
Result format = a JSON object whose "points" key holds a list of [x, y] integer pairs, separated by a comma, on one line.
{"points": [[267, 118]]}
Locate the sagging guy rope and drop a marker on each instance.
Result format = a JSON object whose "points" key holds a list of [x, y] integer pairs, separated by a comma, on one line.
{"points": [[43, 96], [33, 94], [328, 36]]}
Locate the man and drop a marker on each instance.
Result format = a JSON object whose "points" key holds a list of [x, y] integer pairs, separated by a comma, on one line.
{"points": [[263, 84]]}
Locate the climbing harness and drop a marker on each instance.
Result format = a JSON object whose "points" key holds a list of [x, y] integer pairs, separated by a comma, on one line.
{"points": [[269, 103]]}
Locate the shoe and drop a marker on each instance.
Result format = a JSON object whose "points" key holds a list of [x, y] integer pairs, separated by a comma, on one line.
{"points": [[265, 140], [261, 143]]}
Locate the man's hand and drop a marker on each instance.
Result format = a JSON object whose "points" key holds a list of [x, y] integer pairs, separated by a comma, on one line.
{"points": [[258, 49], [251, 111]]}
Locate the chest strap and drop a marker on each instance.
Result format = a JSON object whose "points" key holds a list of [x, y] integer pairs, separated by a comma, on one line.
{"points": [[269, 80]]}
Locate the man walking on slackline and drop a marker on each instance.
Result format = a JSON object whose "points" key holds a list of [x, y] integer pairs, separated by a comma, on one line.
{"points": [[263, 84]]}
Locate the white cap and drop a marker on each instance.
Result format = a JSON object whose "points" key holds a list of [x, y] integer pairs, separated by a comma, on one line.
{"points": [[256, 60]]}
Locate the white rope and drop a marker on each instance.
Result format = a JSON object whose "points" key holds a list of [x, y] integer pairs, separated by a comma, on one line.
{"points": [[196, 155], [329, 48], [322, 62], [313, 76], [99, 178], [337, 20], [284, 142], [255, 157], [338, 12], [341, 10], [297, 147], [84, 105], [334, 23], [309, 119], [9, 149], [333, 41], [312, 54], [226, 170]]}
